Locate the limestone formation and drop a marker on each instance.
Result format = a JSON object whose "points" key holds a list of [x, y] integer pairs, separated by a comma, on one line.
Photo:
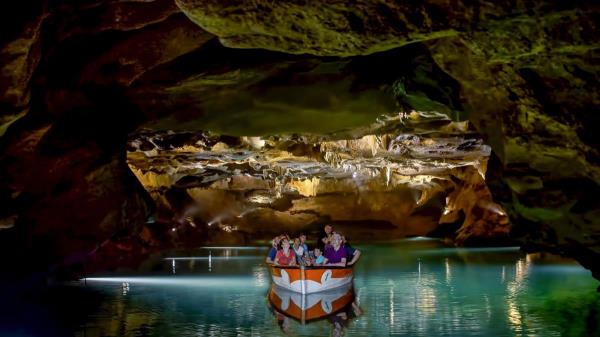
{"points": [[77, 78], [267, 184]]}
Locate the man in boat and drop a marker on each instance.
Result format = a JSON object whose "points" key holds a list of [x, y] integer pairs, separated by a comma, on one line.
{"points": [[302, 238], [335, 254], [352, 252]]}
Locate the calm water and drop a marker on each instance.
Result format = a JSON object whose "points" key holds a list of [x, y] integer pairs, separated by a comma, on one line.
{"points": [[410, 288]]}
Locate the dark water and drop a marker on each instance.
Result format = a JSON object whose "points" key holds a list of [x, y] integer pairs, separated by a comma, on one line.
{"points": [[410, 288]]}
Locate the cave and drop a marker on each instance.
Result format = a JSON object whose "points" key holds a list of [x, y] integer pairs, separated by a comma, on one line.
{"points": [[152, 150]]}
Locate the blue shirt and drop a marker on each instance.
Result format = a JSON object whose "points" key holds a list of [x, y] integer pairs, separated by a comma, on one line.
{"points": [[349, 250], [272, 253], [320, 259]]}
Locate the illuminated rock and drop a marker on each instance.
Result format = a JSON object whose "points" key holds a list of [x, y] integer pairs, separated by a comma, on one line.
{"points": [[384, 177]]}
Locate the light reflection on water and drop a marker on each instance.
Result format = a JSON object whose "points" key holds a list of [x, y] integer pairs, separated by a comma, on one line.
{"points": [[412, 288]]}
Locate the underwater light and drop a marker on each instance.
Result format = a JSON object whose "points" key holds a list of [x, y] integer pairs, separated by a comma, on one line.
{"points": [[421, 238], [176, 281]]}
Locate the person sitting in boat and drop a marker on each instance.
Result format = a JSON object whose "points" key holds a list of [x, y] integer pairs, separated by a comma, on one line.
{"points": [[335, 253], [319, 259], [285, 256], [302, 238], [298, 249], [353, 253], [273, 251], [325, 237]]}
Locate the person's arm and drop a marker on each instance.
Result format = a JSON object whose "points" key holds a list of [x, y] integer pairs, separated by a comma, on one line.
{"points": [[355, 257], [276, 261], [269, 259], [342, 263]]}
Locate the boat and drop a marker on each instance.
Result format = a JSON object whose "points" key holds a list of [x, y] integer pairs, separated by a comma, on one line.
{"points": [[310, 307], [308, 280]]}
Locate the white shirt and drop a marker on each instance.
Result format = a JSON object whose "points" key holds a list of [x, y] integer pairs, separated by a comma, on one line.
{"points": [[299, 251]]}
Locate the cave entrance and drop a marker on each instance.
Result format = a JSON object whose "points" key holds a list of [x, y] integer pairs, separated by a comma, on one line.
{"points": [[410, 174]]}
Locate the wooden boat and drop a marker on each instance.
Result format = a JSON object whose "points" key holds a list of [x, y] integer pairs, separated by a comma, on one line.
{"points": [[308, 280], [310, 307]]}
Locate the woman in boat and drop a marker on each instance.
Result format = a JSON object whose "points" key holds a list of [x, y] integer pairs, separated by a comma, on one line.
{"points": [[285, 256], [336, 253]]}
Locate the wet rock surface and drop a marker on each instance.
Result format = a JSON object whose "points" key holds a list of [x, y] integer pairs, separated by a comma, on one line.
{"points": [[260, 186], [77, 78]]}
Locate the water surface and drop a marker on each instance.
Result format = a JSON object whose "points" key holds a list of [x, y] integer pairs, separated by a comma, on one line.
{"points": [[408, 288]]}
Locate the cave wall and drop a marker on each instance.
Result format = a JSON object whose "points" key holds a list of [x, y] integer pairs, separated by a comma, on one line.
{"points": [[77, 77], [66, 189]]}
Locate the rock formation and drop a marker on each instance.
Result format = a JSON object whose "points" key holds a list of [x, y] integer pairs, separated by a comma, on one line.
{"points": [[77, 78], [264, 185]]}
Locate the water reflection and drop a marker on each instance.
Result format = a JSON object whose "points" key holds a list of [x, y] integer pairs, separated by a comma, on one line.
{"points": [[310, 307], [411, 289], [338, 306]]}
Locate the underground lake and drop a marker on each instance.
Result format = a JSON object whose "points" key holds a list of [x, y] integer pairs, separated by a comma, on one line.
{"points": [[411, 287]]}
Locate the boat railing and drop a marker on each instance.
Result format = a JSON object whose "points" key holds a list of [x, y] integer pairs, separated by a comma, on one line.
{"points": [[309, 267]]}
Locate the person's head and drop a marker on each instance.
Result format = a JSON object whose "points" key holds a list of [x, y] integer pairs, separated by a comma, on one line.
{"points": [[296, 242], [328, 229], [285, 243], [336, 240], [343, 238], [276, 241], [302, 238], [317, 252]]}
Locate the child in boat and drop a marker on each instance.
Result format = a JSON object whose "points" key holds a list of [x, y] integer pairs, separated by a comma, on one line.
{"points": [[336, 253], [285, 256], [319, 259]]}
